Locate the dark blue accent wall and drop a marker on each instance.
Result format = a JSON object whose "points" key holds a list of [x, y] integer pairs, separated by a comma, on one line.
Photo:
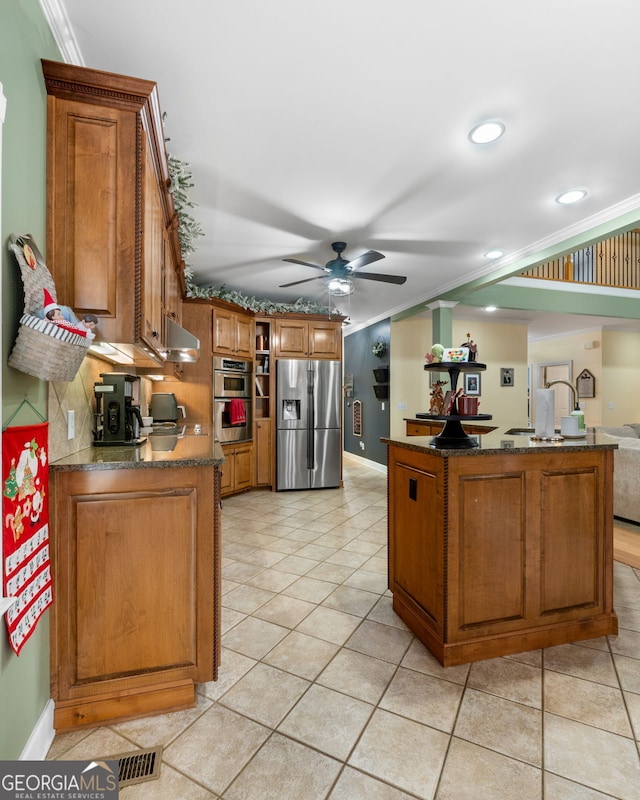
{"points": [[360, 361]]}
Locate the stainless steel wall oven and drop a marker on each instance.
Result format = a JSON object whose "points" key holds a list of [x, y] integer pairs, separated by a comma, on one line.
{"points": [[233, 399]]}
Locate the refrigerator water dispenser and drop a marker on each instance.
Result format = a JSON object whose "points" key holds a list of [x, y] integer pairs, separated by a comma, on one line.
{"points": [[290, 409]]}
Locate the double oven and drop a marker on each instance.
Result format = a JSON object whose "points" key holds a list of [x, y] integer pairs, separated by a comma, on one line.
{"points": [[232, 399]]}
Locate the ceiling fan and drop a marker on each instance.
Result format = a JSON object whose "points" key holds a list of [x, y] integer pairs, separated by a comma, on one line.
{"points": [[339, 271]]}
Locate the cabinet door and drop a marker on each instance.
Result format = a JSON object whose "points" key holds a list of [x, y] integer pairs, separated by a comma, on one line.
{"points": [[292, 338], [151, 328], [172, 291], [264, 452], [227, 471], [244, 336], [135, 571], [225, 333], [325, 340], [91, 234], [243, 467], [237, 470]]}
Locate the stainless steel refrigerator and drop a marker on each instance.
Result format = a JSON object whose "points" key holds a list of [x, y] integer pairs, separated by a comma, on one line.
{"points": [[308, 442]]}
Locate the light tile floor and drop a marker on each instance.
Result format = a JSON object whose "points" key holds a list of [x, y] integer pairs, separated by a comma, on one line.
{"points": [[324, 693]]}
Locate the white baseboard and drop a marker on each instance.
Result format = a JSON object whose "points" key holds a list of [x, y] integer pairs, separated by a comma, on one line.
{"points": [[41, 738], [366, 462]]}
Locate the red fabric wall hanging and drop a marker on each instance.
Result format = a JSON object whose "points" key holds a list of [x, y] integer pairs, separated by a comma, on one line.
{"points": [[26, 568]]}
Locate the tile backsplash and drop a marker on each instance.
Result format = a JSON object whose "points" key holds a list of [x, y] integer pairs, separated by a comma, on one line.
{"points": [[78, 396]]}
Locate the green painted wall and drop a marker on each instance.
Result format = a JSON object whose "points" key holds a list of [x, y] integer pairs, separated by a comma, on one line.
{"points": [[25, 38]]}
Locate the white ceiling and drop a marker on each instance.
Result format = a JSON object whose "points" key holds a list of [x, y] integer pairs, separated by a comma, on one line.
{"points": [[306, 123]]}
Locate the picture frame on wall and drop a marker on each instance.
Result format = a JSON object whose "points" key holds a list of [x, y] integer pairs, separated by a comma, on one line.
{"points": [[586, 384], [472, 384], [506, 376]]}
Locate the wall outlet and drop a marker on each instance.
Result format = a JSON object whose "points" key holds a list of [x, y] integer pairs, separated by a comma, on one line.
{"points": [[71, 424], [362, 445]]}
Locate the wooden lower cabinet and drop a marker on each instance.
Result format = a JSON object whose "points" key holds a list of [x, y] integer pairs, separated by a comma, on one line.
{"points": [[237, 470], [498, 554], [264, 455], [136, 562]]}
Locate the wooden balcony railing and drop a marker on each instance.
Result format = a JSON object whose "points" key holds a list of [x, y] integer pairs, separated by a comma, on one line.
{"points": [[613, 262]]}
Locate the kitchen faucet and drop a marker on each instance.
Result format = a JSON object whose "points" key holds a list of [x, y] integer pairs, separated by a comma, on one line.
{"points": [[573, 391]]}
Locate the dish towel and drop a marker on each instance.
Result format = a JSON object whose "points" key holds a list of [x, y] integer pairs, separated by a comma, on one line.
{"points": [[237, 413]]}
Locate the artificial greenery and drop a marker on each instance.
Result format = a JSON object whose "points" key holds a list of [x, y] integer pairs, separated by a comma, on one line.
{"points": [[189, 230], [379, 348], [181, 181], [301, 306]]}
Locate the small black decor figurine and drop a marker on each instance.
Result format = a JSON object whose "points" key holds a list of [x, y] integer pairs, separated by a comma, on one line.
{"points": [[473, 348]]}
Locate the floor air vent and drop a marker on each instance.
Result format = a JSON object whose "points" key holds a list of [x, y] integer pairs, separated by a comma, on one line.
{"points": [[138, 766]]}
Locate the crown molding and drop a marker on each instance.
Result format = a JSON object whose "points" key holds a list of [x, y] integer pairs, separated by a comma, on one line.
{"points": [[58, 20]]}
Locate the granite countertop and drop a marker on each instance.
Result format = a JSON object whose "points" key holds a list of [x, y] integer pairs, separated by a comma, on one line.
{"points": [[501, 441], [157, 451]]}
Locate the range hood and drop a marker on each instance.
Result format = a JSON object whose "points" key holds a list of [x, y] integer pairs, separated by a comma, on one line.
{"points": [[181, 345]]}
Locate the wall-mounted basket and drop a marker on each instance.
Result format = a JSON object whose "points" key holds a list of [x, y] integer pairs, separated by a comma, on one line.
{"points": [[381, 390], [42, 349]]}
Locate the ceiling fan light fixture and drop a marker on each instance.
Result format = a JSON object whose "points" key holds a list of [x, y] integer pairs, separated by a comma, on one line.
{"points": [[339, 287], [571, 196], [486, 132]]}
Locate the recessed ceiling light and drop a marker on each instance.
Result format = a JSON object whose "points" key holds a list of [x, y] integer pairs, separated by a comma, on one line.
{"points": [[486, 132], [491, 308], [571, 196], [494, 253]]}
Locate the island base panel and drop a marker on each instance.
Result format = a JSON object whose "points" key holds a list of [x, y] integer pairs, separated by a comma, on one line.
{"points": [[454, 654], [87, 712]]}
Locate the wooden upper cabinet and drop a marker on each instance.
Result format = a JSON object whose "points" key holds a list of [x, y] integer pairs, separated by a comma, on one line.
{"points": [[299, 338], [325, 340], [151, 328], [172, 299], [111, 223], [232, 333]]}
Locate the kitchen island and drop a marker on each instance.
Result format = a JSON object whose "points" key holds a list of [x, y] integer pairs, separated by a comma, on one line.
{"points": [[504, 547], [135, 550]]}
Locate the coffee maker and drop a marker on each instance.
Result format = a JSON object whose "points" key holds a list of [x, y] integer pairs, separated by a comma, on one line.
{"points": [[117, 420]]}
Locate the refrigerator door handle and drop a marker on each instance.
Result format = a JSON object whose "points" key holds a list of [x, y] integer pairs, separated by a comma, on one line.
{"points": [[310, 420]]}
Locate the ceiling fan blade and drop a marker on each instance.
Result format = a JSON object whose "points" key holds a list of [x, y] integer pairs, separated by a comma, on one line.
{"points": [[366, 258], [295, 283], [304, 263], [371, 276]]}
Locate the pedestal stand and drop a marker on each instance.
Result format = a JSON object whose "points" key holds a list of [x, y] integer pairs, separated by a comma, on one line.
{"points": [[453, 436]]}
